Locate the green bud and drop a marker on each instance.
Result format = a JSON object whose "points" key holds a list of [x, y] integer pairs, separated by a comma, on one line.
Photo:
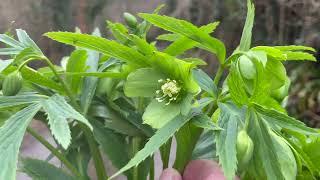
{"points": [[130, 20], [244, 148], [280, 93], [247, 67], [12, 84]]}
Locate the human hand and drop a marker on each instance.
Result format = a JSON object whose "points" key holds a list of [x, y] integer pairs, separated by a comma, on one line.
{"points": [[195, 170]]}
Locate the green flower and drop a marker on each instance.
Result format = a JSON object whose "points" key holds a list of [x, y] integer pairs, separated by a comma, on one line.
{"points": [[169, 83]]}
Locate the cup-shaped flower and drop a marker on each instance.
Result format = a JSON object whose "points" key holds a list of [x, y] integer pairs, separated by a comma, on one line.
{"points": [[170, 84]]}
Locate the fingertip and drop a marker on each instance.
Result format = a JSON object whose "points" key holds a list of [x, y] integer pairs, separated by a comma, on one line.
{"points": [[203, 170], [170, 174]]}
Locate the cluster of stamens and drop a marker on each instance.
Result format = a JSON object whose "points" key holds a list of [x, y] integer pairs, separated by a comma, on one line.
{"points": [[169, 91]]}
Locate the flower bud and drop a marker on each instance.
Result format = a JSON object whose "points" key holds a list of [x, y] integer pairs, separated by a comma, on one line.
{"points": [[244, 148], [12, 84], [130, 20]]}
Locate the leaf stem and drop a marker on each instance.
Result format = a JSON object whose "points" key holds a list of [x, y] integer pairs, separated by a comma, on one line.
{"points": [[151, 173], [218, 74], [54, 151], [135, 145]]}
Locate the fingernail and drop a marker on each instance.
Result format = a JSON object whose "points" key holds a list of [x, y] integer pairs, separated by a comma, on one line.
{"points": [[170, 174]]}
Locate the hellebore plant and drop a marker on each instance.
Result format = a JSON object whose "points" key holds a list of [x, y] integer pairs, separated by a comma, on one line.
{"points": [[126, 99]]}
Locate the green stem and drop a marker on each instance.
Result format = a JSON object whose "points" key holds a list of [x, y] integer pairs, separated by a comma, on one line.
{"points": [[135, 145], [97, 158], [96, 155], [218, 74], [54, 151], [63, 83]]}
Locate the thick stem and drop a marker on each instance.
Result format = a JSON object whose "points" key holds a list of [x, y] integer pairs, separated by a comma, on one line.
{"points": [[54, 151], [135, 145]]}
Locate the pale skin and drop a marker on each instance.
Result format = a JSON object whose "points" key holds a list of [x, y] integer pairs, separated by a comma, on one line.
{"points": [[196, 170]]}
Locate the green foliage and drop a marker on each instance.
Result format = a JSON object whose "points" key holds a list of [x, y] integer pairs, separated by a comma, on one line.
{"points": [[38, 169], [11, 135], [59, 111], [138, 97]]}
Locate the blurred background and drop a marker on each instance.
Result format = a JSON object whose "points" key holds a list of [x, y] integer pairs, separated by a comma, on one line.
{"points": [[277, 22]]}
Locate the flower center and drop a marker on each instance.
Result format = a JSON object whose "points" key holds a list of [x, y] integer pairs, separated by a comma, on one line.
{"points": [[169, 91]]}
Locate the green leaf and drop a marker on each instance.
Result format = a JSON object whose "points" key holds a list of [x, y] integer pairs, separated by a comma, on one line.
{"points": [[188, 30], [4, 64], [205, 82], [299, 56], [26, 41], [182, 43], [276, 73], [59, 111], [143, 83], [119, 32], [107, 47], [295, 48], [90, 83], [36, 77], [265, 149], [11, 135], [226, 139], [37, 170], [142, 45], [76, 63], [284, 121], [237, 86], [175, 69], [112, 144], [27, 54], [158, 114], [186, 138], [245, 41], [21, 99], [155, 142], [204, 122], [205, 147]]}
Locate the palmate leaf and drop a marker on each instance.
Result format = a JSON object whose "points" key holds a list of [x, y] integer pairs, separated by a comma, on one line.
{"points": [[230, 117], [59, 111], [155, 142], [11, 135], [21, 99], [40, 170], [107, 47], [188, 30], [245, 41]]}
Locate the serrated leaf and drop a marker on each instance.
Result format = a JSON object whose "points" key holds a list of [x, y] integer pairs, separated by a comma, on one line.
{"points": [[237, 86], [21, 99], [205, 147], [205, 122], [299, 56], [188, 30], [40, 170], [295, 48], [11, 135], [245, 41], [110, 48], [155, 142], [182, 44], [284, 121], [59, 111], [25, 39], [226, 139]]}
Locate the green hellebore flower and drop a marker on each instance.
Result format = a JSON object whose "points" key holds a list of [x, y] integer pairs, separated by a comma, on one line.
{"points": [[170, 84]]}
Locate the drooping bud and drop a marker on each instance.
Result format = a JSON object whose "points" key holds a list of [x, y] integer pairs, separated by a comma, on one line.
{"points": [[244, 148], [12, 84], [130, 20]]}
